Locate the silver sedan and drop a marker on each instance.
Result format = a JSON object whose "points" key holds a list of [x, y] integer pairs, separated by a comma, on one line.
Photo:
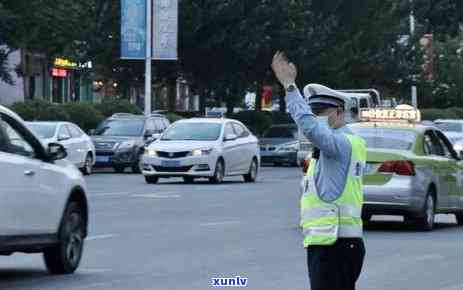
{"points": [[79, 146]]}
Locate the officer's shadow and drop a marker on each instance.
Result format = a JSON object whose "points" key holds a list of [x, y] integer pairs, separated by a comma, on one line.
{"points": [[12, 276], [26, 278]]}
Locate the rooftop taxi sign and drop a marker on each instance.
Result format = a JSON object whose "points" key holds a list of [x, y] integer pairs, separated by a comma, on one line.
{"points": [[401, 113]]}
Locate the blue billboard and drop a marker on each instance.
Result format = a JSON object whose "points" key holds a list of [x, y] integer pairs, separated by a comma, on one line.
{"points": [[133, 29]]}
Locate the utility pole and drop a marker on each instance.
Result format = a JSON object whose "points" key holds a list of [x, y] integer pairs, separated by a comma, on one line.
{"points": [[412, 36], [148, 59]]}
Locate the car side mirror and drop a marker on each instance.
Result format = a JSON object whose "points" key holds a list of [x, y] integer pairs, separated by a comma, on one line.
{"points": [[63, 137], [92, 131], [230, 137], [149, 134], [56, 151]]}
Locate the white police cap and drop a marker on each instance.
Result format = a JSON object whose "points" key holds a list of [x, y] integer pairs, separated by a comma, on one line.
{"points": [[319, 95]]}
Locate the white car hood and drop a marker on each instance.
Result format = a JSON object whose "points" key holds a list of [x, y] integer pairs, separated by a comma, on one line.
{"points": [[454, 135], [47, 141], [179, 146]]}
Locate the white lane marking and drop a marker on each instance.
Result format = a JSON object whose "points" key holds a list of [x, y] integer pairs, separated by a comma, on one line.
{"points": [[98, 285], [109, 194], [214, 224], [158, 195], [154, 195], [428, 257], [455, 287], [100, 237]]}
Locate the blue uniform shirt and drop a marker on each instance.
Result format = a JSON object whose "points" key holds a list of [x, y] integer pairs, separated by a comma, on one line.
{"points": [[335, 149]]}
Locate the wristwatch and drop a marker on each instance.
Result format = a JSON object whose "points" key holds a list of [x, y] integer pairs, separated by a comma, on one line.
{"points": [[291, 88]]}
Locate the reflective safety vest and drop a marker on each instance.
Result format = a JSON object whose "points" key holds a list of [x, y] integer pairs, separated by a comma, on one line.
{"points": [[323, 222]]}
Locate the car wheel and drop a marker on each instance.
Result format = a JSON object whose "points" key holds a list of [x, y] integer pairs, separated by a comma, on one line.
{"points": [[188, 179], [119, 169], [137, 167], [425, 221], [88, 165], [459, 219], [64, 258], [252, 174], [219, 173], [151, 179]]}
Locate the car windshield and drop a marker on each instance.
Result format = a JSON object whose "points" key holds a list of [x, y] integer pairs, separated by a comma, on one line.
{"points": [[280, 132], [449, 127], [386, 138], [193, 131], [125, 127], [43, 130]]}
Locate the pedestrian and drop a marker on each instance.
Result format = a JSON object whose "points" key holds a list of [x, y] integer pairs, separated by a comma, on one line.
{"points": [[331, 204]]}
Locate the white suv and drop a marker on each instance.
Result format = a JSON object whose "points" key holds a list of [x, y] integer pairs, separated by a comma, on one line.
{"points": [[43, 206]]}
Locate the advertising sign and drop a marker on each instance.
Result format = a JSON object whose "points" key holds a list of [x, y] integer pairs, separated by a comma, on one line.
{"points": [[133, 29]]}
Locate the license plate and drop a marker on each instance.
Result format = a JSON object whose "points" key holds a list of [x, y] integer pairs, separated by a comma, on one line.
{"points": [[103, 159], [170, 163]]}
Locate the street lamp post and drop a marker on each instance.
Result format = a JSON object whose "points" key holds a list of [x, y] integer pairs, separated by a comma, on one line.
{"points": [[148, 60], [412, 34]]}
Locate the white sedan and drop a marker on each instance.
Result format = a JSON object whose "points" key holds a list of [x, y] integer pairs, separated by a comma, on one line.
{"points": [[43, 204], [79, 146], [203, 147]]}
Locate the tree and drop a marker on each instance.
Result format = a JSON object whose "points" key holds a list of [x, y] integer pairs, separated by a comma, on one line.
{"points": [[4, 51], [446, 88], [440, 17], [228, 45]]}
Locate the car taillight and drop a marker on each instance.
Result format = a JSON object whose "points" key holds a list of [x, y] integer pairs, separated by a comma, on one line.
{"points": [[400, 167], [305, 165]]}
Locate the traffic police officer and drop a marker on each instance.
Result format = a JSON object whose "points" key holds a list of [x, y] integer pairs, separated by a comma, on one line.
{"points": [[331, 204]]}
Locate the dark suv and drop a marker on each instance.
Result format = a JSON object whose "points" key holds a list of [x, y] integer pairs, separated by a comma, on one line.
{"points": [[120, 140]]}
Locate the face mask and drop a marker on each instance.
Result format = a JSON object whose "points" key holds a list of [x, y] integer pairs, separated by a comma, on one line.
{"points": [[323, 121]]}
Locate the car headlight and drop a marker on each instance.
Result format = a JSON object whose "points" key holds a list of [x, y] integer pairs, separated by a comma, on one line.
{"points": [[151, 152], [125, 145], [201, 152], [289, 148]]}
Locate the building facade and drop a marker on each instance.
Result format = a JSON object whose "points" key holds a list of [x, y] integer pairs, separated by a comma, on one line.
{"points": [[35, 78]]}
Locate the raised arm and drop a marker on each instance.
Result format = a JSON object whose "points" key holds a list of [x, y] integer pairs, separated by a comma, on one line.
{"points": [[325, 139], [329, 142]]}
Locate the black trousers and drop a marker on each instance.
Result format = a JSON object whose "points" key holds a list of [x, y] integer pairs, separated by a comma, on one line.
{"points": [[335, 267]]}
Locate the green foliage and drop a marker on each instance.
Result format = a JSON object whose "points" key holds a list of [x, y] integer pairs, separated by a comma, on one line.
{"points": [[442, 16], [38, 110], [85, 115], [281, 118], [458, 112], [447, 87], [225, 46], [109, 107], [433, 114], [173, 117], [188, 114], [257, 122]]}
